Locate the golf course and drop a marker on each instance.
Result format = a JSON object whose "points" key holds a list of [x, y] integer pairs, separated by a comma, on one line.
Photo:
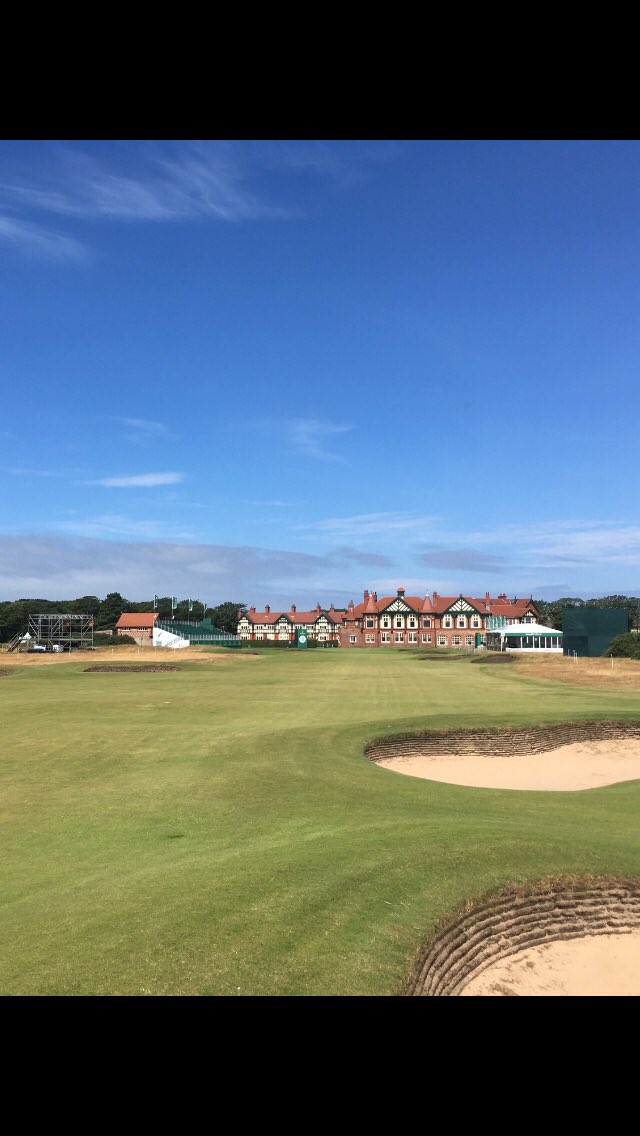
{"points": [[217, 828]]}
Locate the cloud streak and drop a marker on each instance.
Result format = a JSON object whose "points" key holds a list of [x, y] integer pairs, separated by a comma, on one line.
{"points": [[309, 437], [169, 182], [139, 481], [38, 243]]}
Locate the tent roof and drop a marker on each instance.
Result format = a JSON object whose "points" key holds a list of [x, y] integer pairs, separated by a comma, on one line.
{"points": [[522, 629]]}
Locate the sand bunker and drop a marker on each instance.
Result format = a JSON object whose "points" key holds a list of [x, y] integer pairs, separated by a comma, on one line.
{"points": [[560, 758], [559, 938]]}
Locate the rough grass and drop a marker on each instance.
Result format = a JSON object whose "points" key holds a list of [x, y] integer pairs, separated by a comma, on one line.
{"points": [[218, 831]]}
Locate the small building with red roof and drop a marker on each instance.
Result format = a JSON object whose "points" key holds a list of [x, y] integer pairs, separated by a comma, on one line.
{"points": [[138, 624]]}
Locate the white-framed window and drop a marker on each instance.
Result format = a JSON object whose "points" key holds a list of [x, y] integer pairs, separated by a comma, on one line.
{"points": [[426, 622], [369, 638], [322, 635], [369, 623], [475, 620], [462, 621], [412, 621], [413, 638], [456, 641], [468, 640], [427, 638], [447, 621], [260, 635], [442, 640], [399, 621], [385, 621], [399, 637], [353, 639], [385, 637]]}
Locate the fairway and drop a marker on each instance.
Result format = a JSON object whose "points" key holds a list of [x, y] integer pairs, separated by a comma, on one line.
{"points": [[217, 830]]}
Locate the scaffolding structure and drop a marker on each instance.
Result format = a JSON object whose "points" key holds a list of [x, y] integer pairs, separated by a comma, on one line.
{"points": [[73, 632]]}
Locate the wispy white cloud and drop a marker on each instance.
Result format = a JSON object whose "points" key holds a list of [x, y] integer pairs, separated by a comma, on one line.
{"points": [[144, 426], [115, 525], [575, 541], [139, 480], [40, 243], [161, 182], [310, 436], [26, 472], [366, 524], [144, 431]]}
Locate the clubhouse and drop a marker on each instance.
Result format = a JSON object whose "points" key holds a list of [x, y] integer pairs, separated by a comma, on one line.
{"points": [[398, 621]]}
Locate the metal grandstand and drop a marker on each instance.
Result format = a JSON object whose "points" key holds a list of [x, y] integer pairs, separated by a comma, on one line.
{"points": [[71, 632]]}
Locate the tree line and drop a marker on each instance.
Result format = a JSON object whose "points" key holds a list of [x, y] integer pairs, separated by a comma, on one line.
{"points": [[551, 611], [14, 614]]}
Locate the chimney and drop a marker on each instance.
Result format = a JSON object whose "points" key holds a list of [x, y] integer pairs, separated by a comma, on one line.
{"points": [[400, 591], [374, 596], [350, 607], [487, 597], [293, 609], [252, 609], [365, 596], [436, 597], [267, 609], [318, 608]]}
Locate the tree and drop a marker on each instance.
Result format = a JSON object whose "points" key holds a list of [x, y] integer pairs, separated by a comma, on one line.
{"points": [[110, 610], [225, 616], [624, 647]]}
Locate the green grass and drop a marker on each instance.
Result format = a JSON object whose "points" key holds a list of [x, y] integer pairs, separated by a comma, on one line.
{"points": [[218, 831]]}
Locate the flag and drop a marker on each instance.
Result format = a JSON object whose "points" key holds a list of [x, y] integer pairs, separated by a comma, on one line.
{"points": [[190, 605], [155, 603], [174, 603]]}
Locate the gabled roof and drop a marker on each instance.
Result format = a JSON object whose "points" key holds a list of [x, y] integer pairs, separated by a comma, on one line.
{"points": [[137, 619], [442, 604]]}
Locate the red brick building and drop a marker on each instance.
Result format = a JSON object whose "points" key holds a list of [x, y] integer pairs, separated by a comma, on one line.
{"points": [[137, 624], [393, 621]]}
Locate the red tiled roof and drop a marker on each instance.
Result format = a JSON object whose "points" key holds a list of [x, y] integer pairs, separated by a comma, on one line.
{"points": [[137, 619], [271, 617]]}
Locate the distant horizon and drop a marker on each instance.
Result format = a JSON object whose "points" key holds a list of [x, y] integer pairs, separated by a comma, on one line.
{"points": [[275, 368], [304, 604]]}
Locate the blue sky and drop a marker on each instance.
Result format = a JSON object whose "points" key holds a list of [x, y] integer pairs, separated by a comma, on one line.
{"points": [[285, 371]]}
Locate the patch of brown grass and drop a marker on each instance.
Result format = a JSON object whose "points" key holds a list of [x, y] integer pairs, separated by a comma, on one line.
{"points": [[127, 653], [606, 674]]}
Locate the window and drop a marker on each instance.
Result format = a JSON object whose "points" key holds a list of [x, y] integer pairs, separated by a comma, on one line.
{"points": [[399, 621], [369, 638], [442, 640], [384, 638], [426, 622], [475, 620], [427, 638], [412, 621], [413, 638], [447, 621], [399, 637], [456, 641], [352, 639], [468, 639], [462, 621], [369, 623], [385, 621]]}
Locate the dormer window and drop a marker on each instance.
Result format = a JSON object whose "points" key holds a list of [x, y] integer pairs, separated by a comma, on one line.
{"points": [[447, 621]]}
